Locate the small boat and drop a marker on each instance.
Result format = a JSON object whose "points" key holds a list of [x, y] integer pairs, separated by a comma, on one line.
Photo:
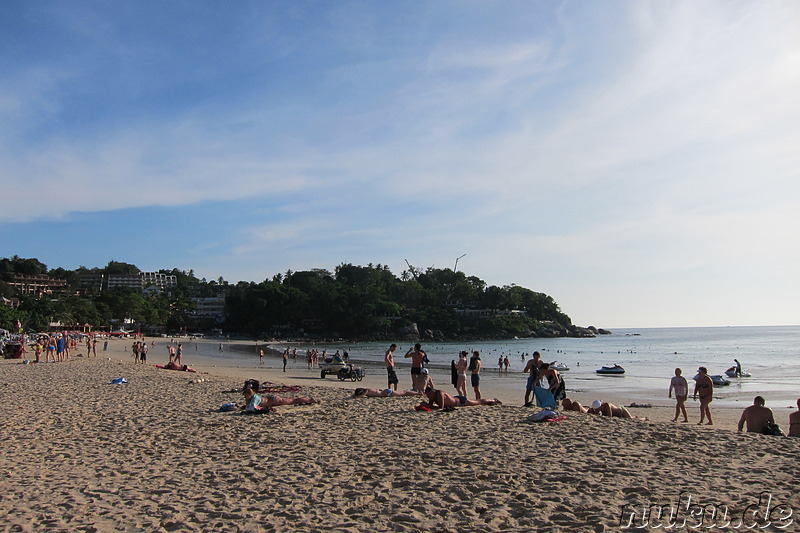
{"points": [[561, 367], [731, 373], [611, 370]]}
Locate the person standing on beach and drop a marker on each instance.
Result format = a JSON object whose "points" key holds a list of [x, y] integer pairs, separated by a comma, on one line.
{"points": [[417, 355], [388, 358], [285, 358], [794, 422], [261, 356], [461, 370], [532, 368], [506, 362], [704, 387], [475, 366], [681, 388], [179, 354], [756, 416], [143, 353]]}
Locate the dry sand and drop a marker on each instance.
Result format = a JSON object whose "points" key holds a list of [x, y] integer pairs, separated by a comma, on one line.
{"points": [[156, 454]]}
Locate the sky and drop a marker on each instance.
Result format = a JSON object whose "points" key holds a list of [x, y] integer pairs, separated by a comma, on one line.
{"points": [[638, 161]]}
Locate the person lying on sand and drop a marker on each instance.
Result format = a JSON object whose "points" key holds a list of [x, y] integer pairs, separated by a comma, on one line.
{"points": [[570, 405], [172, 365], [256, 402], [438, 399], [383, 393], [608, 409]]}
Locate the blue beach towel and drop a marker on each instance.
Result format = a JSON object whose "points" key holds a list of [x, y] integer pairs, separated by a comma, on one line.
{"points": [[544, 398]]}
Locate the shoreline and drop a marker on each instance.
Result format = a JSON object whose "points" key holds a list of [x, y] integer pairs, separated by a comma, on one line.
{"points": [[156, 454]]}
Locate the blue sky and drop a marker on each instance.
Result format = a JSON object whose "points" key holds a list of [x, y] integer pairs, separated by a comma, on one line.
{"points": [[637, 161]]}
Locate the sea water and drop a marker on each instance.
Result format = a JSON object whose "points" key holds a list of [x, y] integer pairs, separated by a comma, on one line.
{"points": [[649, 356]]}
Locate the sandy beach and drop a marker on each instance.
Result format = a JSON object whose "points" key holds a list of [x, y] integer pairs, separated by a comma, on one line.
{"points": [[157, 454]]}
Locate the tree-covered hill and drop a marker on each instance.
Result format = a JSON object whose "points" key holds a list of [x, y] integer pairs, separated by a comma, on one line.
{"points": [[356, 302]]}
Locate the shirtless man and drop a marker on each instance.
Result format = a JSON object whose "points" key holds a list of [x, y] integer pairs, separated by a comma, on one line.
{"points": [[794, 422], [475, 366], [705, 387], [417, 355], [461, 370], [438, 399], [532, 368], [383, 393], [681, 388], [756, 416], [388, 358]]}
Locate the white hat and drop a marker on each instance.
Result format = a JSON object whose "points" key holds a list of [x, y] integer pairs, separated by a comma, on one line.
{"points": [[424, 370], [596, 404]]}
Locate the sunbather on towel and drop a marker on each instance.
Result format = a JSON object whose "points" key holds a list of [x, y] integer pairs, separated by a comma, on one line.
{"points": [[172, 365], [609, 409], [383, 393], [573, 405], [438, 399], [256, 402]]}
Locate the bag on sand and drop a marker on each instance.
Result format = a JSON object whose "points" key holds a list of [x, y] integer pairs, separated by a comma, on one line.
{"points": [[772, 429]]}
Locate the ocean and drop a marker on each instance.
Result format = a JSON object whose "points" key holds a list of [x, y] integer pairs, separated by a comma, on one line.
{"points": [[649, 355]]}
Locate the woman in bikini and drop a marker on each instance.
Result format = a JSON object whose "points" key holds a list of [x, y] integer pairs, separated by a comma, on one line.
{"points": [[704, 388]]}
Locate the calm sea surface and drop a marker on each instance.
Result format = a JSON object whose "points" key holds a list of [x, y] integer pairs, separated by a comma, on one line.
{"points": [[650, 356], [770, 354]]}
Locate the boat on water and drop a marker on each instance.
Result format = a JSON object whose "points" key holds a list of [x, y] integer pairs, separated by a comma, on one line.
{"points": [[731, 373], [611, 370], [561, 367]]}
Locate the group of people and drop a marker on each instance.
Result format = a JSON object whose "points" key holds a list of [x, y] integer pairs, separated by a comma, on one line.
{"points": [[420, 375], [139, 350], [544, 382], [703, 388]]}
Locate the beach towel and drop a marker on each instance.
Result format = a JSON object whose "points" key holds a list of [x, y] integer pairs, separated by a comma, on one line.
{"points": [[544, 398]]}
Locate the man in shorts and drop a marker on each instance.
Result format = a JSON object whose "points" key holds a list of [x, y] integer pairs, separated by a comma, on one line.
{"points": [[417, 355], [388, 358]]}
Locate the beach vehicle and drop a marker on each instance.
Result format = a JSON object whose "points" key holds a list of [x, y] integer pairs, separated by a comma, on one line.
{"points": [[331, 365], [731, 373], [615, 370], [719, 381], [350, 372], [561, 367]]}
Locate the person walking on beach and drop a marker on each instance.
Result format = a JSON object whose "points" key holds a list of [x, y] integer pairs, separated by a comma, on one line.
{"points": [[388, 358], [506, 362], [681, 388], [417, 355], [756, 416], [704, 387], [475, 366], [794, 422]]}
